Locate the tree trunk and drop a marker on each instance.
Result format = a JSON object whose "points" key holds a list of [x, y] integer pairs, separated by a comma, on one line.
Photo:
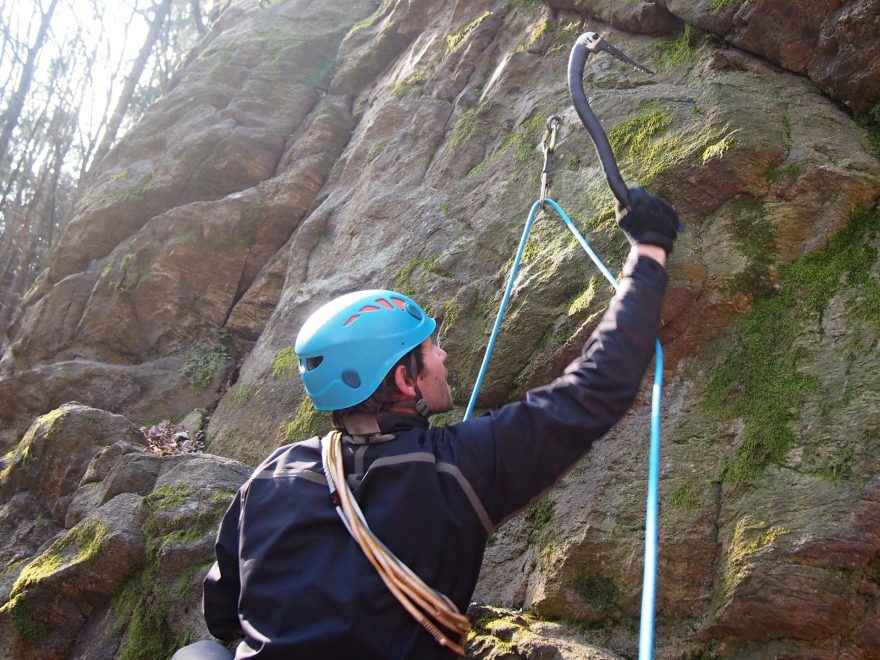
{"points": [[197, 16], [16, 103], [128, 89]]}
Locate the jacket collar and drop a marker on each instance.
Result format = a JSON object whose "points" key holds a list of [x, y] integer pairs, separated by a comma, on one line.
{"points": [[395, 422]]}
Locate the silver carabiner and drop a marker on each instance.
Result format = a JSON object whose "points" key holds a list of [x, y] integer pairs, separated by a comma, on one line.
{"points": [[548, 146]]}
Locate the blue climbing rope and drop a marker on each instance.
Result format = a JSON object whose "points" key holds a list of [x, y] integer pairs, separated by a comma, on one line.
{"points": [[649, 581], [590, 42]]}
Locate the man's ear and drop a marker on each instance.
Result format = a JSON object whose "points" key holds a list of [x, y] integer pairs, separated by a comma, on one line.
{"points": [[405, 383]]}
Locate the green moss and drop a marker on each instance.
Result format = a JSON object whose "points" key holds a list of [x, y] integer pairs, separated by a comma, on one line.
{"points": [[459, 35], [524, 141], [525, 6], [540, 518], [840, 465], [285, 364], [375, 149], [790, 172], [369, 21], [467, 127], [565, 35], [134, 193], [683, 497], [38, 280], [450, 417], [599, 592], [206, 359], [753, 237], [201, 528], [750, 537], [786, 127], [676, 51], [138, 191], [537, 32], [636, 138], [413, 85], [10, 568], [222, 498], [582, 301], [169, 498], [307, 422], [26, 626], [793, 170], [415, 274], [718, 149], [79, 544], [108, 267], [242, 393], [127, 279], [44, 425], [871, 124], [448, 314], [758, 379], [477, 169], [718, 5], [141, 606], [189, 584], [139, 609]]}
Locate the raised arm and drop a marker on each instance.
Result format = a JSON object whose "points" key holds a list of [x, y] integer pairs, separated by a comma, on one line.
{"points": [[523, 448]]}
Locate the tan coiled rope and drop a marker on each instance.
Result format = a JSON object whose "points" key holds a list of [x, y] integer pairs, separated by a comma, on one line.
{"points": [[427, 606]]}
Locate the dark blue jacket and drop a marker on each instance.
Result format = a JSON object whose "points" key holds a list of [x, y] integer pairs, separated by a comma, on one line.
{"points": [[292, 581]]}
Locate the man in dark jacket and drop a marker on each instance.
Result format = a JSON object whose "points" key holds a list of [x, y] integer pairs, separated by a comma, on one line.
{"points": [[291, 580]]}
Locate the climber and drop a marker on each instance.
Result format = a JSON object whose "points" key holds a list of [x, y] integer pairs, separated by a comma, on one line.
{"points": [[291, 580]]}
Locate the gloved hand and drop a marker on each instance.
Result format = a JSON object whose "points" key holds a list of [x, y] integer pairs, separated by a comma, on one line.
{"points": [[648, 220]]}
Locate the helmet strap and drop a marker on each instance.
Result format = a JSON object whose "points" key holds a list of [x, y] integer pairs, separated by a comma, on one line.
{"points": [[418, 404]]}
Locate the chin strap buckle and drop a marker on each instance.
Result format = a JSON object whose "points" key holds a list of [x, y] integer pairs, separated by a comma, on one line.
{"points": [[421, 407]]}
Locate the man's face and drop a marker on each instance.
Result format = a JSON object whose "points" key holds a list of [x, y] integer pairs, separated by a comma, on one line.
{"points": [[432, 380]]}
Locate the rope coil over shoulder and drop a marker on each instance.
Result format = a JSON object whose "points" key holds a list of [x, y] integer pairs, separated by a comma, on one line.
{"points": [[430, 608]]}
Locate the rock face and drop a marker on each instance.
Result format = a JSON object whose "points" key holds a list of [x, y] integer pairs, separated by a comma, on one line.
{"points": [[310, 148], [105, 544]]}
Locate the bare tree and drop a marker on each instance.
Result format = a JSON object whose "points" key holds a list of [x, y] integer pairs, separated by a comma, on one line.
{"points": [[160, 13], [197, 16], [49, 134], [16, 102]]}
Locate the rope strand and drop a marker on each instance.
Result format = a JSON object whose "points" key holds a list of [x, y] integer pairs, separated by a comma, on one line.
{"points": [[427, 606]]}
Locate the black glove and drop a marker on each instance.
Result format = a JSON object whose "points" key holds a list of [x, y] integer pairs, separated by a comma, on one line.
{"points": [[648, 220]]}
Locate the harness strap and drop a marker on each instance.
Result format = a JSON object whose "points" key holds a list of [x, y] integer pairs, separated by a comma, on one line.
{"points": [[428, 607]]}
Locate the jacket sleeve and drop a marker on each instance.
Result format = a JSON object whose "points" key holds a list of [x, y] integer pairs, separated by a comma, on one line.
{"points": [[525, 447], [222, 586]]}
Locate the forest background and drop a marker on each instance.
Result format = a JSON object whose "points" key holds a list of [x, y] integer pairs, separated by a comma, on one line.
{"points": [[76, 75]]}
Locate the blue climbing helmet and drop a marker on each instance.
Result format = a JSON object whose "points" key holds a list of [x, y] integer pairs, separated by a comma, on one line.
{"points": [[348, 346]]}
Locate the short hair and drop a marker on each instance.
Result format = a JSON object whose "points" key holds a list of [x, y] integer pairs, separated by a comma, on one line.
{"points": [[413, 361]]}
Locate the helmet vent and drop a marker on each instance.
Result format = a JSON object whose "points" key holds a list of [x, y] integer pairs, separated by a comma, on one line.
{"points": [[385, 303], [351, 320], [350, 377], [313, 362], [369, 308], [400, 303]]}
